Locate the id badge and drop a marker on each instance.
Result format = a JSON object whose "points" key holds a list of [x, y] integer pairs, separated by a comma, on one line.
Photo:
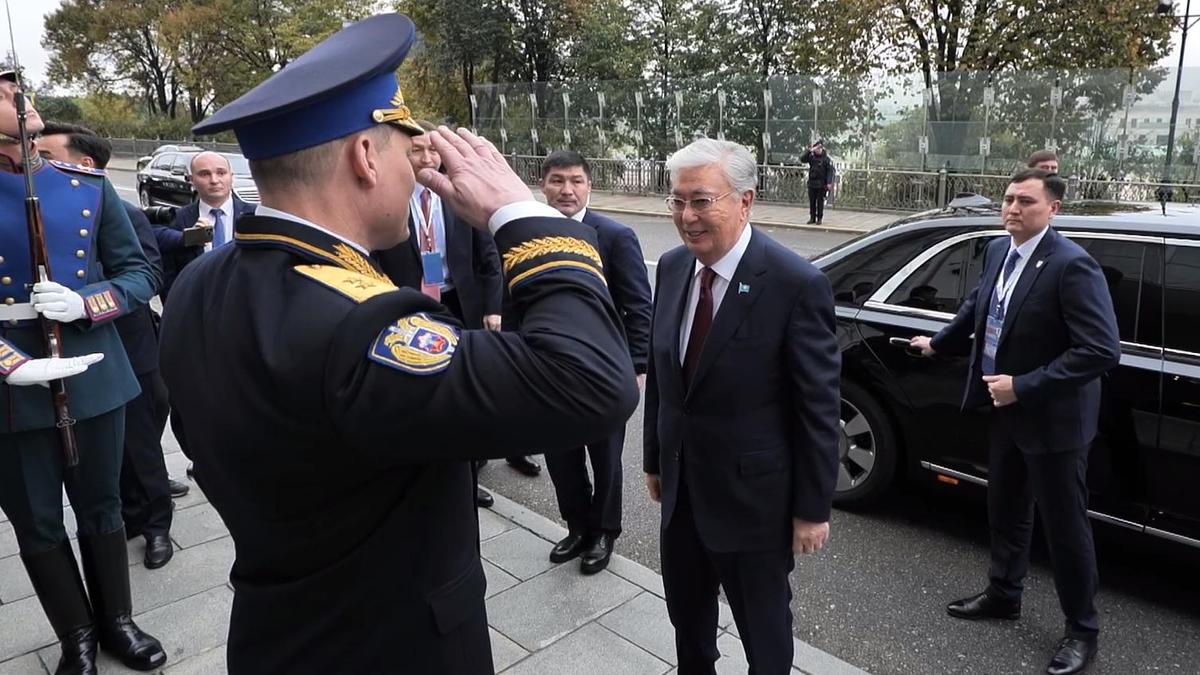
{"points": [[991, 337], [431, 268]]}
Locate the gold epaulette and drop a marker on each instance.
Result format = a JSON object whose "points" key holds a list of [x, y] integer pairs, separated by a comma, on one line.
{"points": [[354, 285], [77, 168]]}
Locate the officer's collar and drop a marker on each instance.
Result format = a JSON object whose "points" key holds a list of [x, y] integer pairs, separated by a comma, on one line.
{"points": [[9, 165], [311, 244]]}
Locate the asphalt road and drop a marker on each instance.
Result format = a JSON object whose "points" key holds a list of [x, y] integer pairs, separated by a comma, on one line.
{"points": [[875, 595]]}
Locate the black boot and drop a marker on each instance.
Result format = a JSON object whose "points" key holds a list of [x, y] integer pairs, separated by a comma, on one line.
{"points": [[106, 566], [55, 578]]}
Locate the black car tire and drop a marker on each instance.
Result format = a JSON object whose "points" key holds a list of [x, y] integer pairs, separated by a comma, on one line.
{"points": [[144, 197], [865, 428]]}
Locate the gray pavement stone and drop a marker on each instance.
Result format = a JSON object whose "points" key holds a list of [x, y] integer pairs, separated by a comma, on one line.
{"points": [[638, 574], [26, 665], [505, 652], [491, 524], [644, 622], [191, 571], [497, 579], [518, 552], [809, 659], [14, 581], [733, 656], [197, 525], [530, 520], [24, 628], [186, 629], [194, 497], [541, 610], [8, 541], [591, 650], [210, 662], [177, 464]]}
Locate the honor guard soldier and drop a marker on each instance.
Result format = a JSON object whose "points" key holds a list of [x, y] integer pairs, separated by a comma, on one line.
{"points": [[331, 416], [97, 273]]}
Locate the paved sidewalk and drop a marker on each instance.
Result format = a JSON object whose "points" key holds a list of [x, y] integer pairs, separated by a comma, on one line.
{"points": [[545, 618], [765, 213]]}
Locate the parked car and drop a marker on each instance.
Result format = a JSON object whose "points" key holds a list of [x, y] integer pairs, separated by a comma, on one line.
{"points": [[166, 181], [900, 411], [146, 159]]}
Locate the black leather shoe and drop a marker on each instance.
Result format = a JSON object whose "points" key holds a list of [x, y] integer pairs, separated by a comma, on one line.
{"points": [[596, 557], [525, 465], [190, 471], [55, 578], [483, 499], [177, 488], [1074, 654], [570, 547], [106, 567], [811, 221], [984, 606], [158, 551]]}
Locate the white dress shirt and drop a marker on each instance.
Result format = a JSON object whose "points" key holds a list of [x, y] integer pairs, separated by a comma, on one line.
{"points": [[438, 229], [724, 270], [227, 209], [1004, 287], [284, 215]]}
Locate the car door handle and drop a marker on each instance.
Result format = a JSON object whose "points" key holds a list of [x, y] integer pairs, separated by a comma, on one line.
{"points": [[898, 342]]}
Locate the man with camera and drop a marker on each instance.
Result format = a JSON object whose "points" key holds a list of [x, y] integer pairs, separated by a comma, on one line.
{"points": [[146, 491], [204, 224]]}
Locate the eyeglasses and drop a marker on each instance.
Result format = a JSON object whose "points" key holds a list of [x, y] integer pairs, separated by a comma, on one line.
{"points": [[699, 204]]}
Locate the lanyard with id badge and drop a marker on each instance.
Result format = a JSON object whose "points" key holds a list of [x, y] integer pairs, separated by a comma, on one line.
{"points": [[432, 273], [995, 316]]}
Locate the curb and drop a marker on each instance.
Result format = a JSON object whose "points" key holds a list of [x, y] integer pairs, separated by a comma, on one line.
{"points": [[815, 661]]}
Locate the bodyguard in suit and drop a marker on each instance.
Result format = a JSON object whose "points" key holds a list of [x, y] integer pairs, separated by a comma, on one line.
{"points": [[145, 488], [594, 515], [332, 424], [98, 273], [216, 206], [742, 430], [1040, 331]]}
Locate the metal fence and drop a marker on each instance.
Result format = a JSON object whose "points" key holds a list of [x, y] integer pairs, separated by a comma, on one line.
{"points": [[863, 189], [139, 147]]}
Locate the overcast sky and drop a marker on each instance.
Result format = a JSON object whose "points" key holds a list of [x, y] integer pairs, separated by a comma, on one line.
{"points": [[28, 16]]}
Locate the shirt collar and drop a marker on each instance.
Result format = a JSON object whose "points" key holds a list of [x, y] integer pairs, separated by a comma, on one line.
{"points": [[579, 216], [1026, 250], [284, 215], [728, 264], [227, 207]]}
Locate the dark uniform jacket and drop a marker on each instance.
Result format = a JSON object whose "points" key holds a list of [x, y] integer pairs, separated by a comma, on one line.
{"points": [[325, 410], [95, 252], [628, 282], [137, 329], [175, 255], [820, 169], [471, 258], [757, 432]]}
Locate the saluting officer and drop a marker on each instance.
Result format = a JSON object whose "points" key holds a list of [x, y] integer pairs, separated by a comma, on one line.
{"points": [[331, 414], [99, 273]]}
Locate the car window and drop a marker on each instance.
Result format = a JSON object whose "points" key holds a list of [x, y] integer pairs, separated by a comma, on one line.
{"points": [[238, 164], [938, 284], [162, 162], [1123, 264], [181, 163], [1181, 299], [859, 274]]}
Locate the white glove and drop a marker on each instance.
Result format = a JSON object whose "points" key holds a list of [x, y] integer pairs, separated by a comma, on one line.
{"points": [[57, 302], [42, 371]]}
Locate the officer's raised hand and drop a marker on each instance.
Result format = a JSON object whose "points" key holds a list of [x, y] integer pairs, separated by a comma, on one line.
{"points": [[478, 180], [43, 371], [57, 302]]}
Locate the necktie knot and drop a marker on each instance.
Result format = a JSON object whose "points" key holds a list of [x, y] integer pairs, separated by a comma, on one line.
{"points": [[1011, 263], [706, 277]]}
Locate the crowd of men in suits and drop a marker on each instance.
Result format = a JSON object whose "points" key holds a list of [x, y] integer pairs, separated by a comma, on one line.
{"points": [[489, 324]]}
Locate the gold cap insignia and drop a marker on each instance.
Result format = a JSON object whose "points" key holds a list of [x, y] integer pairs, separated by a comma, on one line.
{"points": [[398, 114]]}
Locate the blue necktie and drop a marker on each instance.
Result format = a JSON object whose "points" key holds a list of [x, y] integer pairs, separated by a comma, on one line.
{"points": [[219, 235], [996, 313]]}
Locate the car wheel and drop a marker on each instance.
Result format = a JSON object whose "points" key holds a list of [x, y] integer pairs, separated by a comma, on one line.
{"points": [[867, 449], [144, 198]]}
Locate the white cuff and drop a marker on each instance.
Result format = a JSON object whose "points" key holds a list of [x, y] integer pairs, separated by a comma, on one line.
{"points": [[527, 209]]}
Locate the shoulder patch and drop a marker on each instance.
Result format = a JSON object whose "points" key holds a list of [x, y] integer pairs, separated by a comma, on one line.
{"points": [[77, 168], [357, 287], [416, 344]]}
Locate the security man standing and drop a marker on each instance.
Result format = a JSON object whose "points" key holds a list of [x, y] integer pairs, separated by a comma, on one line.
{"points": [[329, 422], [99, 273]]}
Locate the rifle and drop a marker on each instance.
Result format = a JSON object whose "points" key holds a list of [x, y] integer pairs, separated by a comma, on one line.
{"points": [[39, 255]]}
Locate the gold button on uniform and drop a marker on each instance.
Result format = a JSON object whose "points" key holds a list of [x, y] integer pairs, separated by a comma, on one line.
{"points": [[5, 280], [10, 301], [81, 274], [83, 233], [79, 253], [87, 213]]}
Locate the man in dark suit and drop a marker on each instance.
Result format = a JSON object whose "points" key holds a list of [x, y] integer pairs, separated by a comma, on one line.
{"points": [[146, 490], [821, 175], [216, 208], [1040, 331], [594, 515], [452, 262], [742, 430], [334, 421]]}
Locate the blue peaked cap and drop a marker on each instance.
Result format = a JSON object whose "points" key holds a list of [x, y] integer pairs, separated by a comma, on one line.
{"points": [[344, 85]]}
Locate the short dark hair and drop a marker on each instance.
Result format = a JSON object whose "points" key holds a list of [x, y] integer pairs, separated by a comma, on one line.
{"points": [[1055, 186], [83, 141], [1041, 156], [565, 159]]}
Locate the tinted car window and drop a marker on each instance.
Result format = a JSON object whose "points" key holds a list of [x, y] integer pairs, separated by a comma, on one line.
{"points": [[1123, 264], [856, 276], [238, 164], [181, 163], [937, 285], [1181, 299], [162, 162]]}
